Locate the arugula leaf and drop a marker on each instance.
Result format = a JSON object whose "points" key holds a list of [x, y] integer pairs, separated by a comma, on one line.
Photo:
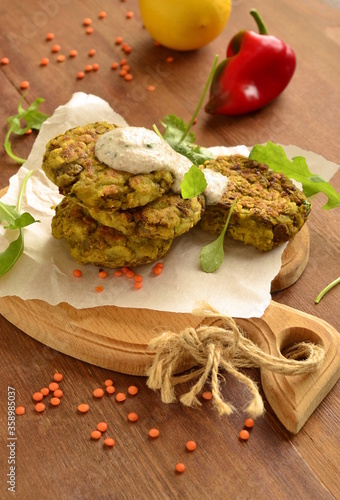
{"points": [[11, 215], [173, 133], [212, 255], [194, 183], [33, 119], [275, 157]]}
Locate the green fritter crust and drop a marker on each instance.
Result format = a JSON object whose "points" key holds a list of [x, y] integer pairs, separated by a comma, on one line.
{"points": [[167, 217], [269, 210], [90, 242], [70, 163]]}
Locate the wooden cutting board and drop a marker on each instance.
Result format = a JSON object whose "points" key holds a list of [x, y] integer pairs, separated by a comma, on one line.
{"points": [[117, 338]]}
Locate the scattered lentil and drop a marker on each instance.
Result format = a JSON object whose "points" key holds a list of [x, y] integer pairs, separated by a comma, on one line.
{"points": [[87, 21], [39, 407], [58, 377], [119, 40], [102, 274], [28, 132], [80, 75], [4, 61], [170, 59], [191, 445], [95, 66], [99, 289], [108, 382], [132, 390], [83, 408], [96, 434], [129, 273], [55, 401], [110, 389], [53, 386], [114, 65], [77, 273], [20, 410], [244, 435], [109, 442], [129, 14], [207, 395], [153, 433], [88, 68], [61, 58], [249, 422], [58, 393], [138, 285], [73, 53], [120, 397], [132, 416], [102, 426], [102, 14], [44, 61], [180, 467], [45, 391], [98, 393], [49, 36], [92, 52], [157, 270], [37, 396], [150, 88], [56, 48], [24, 84], [89, 30]]}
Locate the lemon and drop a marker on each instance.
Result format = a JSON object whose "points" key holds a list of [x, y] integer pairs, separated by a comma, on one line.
{"points": [[184, 24]]}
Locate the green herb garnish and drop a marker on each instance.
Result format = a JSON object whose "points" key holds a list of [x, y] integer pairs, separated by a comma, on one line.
{"points": [[212, 255], [33, 120], [15, 221], [193, 184], [327, 289], [275, 157]]}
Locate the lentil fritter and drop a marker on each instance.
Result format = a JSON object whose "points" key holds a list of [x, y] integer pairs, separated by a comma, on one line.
{"points": [[269, 210], [70, 163], [90, 242]]}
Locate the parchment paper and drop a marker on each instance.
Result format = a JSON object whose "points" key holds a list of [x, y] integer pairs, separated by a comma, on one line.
{"points": [[240, 288]]}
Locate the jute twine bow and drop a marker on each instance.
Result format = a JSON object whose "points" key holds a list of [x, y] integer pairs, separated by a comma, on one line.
{"points": [[211, 348]]}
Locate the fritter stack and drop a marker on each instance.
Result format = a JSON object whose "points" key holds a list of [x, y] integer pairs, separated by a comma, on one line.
{"points": [[108, 217]]}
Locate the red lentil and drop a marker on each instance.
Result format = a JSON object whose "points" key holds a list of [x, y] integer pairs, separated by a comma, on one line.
{"points": [[89, 30], [83, 408], [170, 59], [191, 445], [58, 393], [150, 88], [102, 274], [114, 65], [102, 14], [24, 84], [244, 435], [153, 433], [44, 61], [96, 434], [138, 278], [129, 14], [49, 36], [73, 53], [95, 66], [28, 132], [80, 75], [56, 48], [61, 58], [37, 396], [249, 422], [20, 410], [110, 389], [157, 270], [132, 390], [129, 273], [39, 407], [55, 401], [87, 21], [98, 393], [180, 467], [133, 417], [88, 68], [77, 273], [53, 386], [102, 426], [119, 40], [4, 61], [92, 52], [45, 391], [99, 289], [109, 442], [120, 397], [58, 377], [207, 395], [138, 285], [108, 382]]}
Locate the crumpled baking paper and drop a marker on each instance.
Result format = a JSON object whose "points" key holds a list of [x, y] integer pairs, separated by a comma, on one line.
{"points": [[239, 288]]}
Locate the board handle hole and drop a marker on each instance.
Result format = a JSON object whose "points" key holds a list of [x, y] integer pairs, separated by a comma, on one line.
{"points": [[292, 340]]}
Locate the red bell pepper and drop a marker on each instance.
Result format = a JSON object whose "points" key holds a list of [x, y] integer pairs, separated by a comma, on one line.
{"points": [[257, 69]]}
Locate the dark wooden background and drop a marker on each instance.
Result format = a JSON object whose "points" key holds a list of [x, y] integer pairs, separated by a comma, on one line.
{"points": [[55, 457]]}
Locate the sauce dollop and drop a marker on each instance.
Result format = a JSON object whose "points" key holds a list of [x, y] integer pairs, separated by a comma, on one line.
{"points": [[138, 150]]}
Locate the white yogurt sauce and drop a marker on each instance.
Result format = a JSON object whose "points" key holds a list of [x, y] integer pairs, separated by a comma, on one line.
{"points": [[138, 150]]}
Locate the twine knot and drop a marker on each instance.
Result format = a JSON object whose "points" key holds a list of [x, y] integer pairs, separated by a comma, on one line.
{"points": [[218, 346]]}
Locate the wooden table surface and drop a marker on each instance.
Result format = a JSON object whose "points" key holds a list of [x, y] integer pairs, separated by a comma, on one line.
{"points": [[54, 455]]}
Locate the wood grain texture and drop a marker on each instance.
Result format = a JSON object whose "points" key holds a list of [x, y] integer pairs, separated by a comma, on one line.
{"points": [[55, 457]]}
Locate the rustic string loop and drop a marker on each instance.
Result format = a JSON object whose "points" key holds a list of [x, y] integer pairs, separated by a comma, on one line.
{"points": [[211, 349]]}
